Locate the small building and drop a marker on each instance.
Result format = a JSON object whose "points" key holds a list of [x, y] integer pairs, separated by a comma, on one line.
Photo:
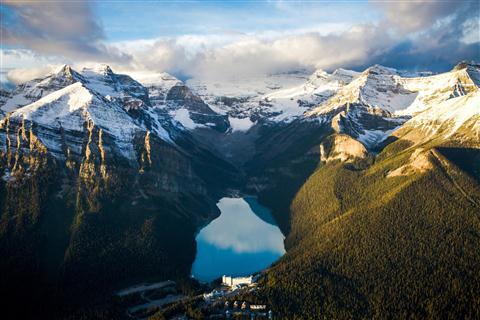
{"points": [[258, 307], [236, 281], [213, 295], [245, 305]]}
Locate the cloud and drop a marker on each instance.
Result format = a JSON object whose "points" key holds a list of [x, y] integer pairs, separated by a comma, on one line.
{"points": [[409, 35], [455, 19], [22, 75], [431, 35], [310, 50], [415, 15], [67, 29], [233, 55]]}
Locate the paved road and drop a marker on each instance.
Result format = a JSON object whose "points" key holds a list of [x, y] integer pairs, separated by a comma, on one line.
{"points": [[144, 287]]}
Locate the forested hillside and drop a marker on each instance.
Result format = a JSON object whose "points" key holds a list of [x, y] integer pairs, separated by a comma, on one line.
{"points": [[398, 239]]}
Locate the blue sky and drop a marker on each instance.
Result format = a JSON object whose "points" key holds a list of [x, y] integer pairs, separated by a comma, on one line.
{"points": [[131, 20], [228, 38]]}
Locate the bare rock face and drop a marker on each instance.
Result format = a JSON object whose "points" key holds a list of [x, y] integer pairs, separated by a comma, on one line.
{"points": [[419, 162], [343, 148], [180, 96]]}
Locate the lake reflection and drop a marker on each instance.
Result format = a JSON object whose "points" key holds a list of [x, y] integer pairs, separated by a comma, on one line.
{"points": [[242, 240]]}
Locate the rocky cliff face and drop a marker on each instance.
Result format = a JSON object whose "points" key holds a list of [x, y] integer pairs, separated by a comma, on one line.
{"points": [[342, 148], [198, 111]]}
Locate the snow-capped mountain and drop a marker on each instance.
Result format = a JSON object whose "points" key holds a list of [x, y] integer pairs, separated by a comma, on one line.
{"points": [[33, 90], [103, 124], [116, 104], [76, 109], [158, 85], [455, 120], [432, 90], [69, 103], [172, 98], [317, 89], [272, 98], [99, 79], [384, 88], [379, 100], [320, 84], [378, 87], [368, 106]]}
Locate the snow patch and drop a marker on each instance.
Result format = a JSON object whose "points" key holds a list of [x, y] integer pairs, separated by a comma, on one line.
{"points": [[240, 124], [14, 102], [450, 116], [158, 128], [371, 138], [49, 110], [183, 116]]}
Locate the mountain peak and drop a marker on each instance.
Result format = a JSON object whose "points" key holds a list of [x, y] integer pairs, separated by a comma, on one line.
{"points": [[67, 72], [64, 69], [101, 69], [457, 117], [106, 69], [319, 73], [152, 78], [341, 71], [379, 69], [471, 68], [466, 65], [344, 75]]}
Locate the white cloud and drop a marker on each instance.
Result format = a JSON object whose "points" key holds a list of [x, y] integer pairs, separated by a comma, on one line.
{"points": [[233, 55], [22, 58], [22, 75], [415, 15], [67, 29]]}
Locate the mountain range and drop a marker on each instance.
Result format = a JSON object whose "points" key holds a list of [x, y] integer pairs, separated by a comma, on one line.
{"points": [[373, 176]]}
